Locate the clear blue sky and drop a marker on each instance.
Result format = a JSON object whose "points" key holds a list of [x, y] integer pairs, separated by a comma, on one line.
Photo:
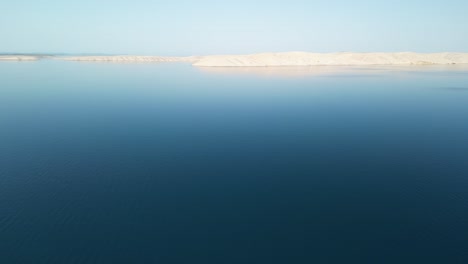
{"points": [[182, 27]]}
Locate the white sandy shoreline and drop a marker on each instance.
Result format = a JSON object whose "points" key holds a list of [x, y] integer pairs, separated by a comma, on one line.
{"points": [[18, 58], [331, 59], [121, 58], [278, 59]]}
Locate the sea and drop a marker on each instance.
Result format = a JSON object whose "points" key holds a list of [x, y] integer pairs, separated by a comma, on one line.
{"points": [[168, 163]]}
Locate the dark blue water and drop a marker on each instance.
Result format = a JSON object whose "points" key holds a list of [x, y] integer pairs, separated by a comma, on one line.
{"points": [[167, 163]]}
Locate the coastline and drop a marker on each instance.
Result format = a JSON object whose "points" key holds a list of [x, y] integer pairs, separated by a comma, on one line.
{"points": [[275, 59], [19, 58]]}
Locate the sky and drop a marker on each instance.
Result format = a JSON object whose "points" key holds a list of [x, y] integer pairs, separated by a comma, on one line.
{"points": [[205, 27]]}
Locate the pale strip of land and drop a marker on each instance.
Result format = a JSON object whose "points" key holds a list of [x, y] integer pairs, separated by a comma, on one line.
{"points": [[129, 59], [18, 58], [279, 59], [335, 59], [295, 59]]}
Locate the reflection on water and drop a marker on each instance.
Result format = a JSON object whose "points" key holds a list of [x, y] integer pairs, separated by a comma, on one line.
{"points": [[298, 71]]}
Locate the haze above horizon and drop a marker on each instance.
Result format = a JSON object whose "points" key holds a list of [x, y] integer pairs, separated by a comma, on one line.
{"points": [[182, 28]]}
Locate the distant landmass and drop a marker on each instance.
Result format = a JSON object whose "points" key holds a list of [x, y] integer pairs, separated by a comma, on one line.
{"points": [[270, 59]]}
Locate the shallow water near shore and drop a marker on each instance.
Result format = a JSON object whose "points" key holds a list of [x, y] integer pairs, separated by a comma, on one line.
{"points": [[169, 163]]}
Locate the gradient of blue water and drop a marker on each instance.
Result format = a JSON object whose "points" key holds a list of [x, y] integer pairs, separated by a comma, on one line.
{"points": [[167, 163]]}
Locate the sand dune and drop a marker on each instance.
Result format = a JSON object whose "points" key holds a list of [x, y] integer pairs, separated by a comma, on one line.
{"points": [[18, 58], [343, 58]]}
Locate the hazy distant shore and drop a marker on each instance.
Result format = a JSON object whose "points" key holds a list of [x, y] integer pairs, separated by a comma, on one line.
{"points": [[121, 58], [335, 59], [276, 59], [18, 58]]}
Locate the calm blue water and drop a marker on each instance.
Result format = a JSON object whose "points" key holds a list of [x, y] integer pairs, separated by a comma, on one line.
{"points": [[167, 163]]}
